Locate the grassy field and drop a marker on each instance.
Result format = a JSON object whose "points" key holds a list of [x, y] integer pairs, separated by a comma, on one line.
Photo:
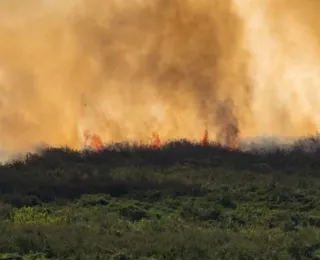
{"points": [[182, 201]]}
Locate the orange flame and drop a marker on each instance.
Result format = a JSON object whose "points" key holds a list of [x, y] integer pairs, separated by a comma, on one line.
{"points": [[97, 142], [156, 143], [205, 138], [93, 141], [232, 140]]}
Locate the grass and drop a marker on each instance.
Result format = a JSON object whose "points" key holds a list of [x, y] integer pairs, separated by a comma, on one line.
{"points": [[182, 201]]}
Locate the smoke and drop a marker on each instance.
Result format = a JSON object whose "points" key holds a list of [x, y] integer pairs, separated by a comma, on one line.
{"points": [[123, 70], [283, 38], [164, 67], [127, 69]]}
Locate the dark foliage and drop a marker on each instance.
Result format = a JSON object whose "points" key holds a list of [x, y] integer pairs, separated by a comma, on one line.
{"points": [[182, 201]]}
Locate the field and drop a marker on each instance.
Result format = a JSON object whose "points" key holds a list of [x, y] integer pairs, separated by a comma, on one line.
{"points": [[183, 201]]}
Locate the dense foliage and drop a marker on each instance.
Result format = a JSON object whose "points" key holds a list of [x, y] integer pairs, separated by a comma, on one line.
{"points": [[182, 201]]}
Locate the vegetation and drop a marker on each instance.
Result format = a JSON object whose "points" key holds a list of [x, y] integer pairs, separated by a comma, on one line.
{"points": [[182, 201]]}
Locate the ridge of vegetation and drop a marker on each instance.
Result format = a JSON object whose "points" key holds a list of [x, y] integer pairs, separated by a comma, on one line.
{"points": [[182, 201]]}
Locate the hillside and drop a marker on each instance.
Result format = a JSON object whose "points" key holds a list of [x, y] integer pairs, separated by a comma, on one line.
{"points": [[183, 201]]}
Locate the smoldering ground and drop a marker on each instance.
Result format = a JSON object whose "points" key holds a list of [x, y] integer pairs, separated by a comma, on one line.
{"points": [[127, 69]]}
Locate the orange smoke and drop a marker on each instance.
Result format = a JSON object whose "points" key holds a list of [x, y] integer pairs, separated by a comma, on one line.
{"points": [[169, 65], [163, 64]]}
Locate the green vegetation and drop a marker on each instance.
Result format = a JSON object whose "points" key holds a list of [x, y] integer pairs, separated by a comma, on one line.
{"points": [[182, 201]]}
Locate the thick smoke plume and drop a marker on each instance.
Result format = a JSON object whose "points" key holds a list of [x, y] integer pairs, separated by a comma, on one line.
{"points": [[127, 69], [123, 70], [283, 37]]}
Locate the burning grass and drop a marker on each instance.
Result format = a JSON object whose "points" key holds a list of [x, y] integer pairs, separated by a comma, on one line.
{"points": [[303, 153], [228, 138]]}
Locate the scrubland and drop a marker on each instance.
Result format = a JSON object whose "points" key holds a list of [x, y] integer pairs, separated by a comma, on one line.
{"points": [[182, 201]]}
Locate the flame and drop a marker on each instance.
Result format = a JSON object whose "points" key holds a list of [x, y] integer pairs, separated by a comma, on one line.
{"points": [[237, 65], [97, 142], [93, 141], [231, 141], [205, 138], [156, 143]]}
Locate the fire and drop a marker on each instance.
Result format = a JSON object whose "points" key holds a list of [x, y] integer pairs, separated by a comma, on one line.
{"points": [[205, 138], [156, 143], [93, 141], [231, 141]]}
